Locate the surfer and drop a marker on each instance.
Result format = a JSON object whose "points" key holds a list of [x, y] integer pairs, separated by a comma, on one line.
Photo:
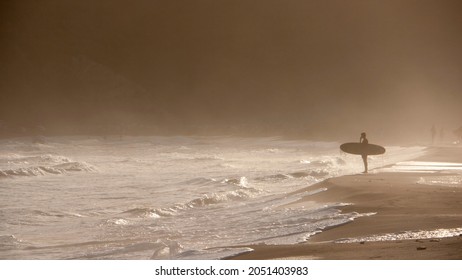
{"points": [[363, 140]]}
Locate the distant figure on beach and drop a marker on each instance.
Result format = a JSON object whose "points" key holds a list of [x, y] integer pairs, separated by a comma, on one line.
{"points": [[363, 140], [433, 131], [458, 133]]}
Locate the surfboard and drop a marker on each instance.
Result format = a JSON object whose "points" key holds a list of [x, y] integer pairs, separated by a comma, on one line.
{"points": [[361, 149]]}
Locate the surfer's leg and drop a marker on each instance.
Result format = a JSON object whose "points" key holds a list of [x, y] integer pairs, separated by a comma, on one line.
{"points": [[365, 163]]}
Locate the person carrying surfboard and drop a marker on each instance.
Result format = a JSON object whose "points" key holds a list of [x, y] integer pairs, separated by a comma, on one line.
{"points": [[363, 148], [363, 140]]}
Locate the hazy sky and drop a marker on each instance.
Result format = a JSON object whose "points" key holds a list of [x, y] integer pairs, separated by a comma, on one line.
{"points": [[318, 66]]}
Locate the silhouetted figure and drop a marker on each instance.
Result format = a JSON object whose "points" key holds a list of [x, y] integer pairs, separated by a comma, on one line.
{"points": [[363, 140], [433, 131], [458, 133]]}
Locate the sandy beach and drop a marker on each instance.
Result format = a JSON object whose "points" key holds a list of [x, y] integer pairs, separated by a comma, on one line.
{"points": [[407, 212]]}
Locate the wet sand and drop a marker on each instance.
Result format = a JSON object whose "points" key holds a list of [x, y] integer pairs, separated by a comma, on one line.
{"points": [[402, 201]]}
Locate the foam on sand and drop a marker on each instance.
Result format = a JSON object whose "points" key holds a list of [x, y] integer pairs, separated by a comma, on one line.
{"points": [[423, 166]]}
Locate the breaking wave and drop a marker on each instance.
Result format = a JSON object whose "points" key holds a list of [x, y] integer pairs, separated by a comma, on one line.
{"points": [[215, 198], [46, 158], [203, 201], [299, 174], [62, 168], [330, 162]]}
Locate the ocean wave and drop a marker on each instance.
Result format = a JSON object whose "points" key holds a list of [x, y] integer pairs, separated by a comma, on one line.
{"points": [[200, 181], [301, 225], [46, 214], [329, 162], [405, 235], [75, 166], [313, 173], [118, 221], [207, 157], [49, 158], [215, 198], [56, 214], [203, 201], [191, 157], [241, 182], [225, 165], [166, 249], [275, 177], [58, 169], [150, 212], [317, 174], [17, 159]]}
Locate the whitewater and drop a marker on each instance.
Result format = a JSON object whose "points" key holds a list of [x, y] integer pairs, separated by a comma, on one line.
{"points": [[172, 197]]}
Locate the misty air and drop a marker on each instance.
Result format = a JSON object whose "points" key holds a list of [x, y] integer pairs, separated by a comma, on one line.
{"points": [[227, 129]]}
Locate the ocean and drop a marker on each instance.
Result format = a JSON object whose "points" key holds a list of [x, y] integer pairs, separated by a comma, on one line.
{"points": [[173, 197]]}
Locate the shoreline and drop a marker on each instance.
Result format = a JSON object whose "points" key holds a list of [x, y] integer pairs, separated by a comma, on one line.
{"points": [[401, 201]]}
